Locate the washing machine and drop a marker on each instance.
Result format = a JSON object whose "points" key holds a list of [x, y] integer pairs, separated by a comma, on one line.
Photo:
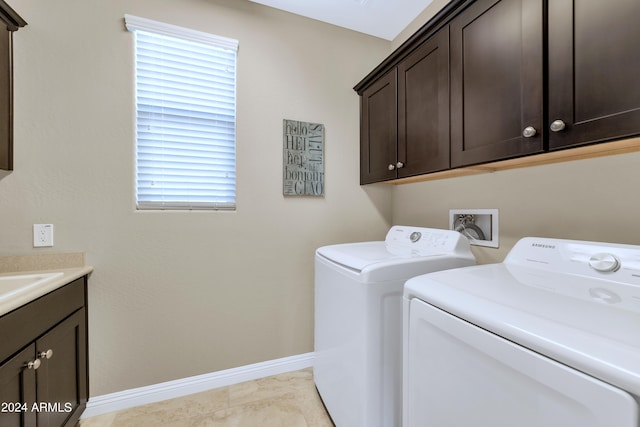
{"points": [[548, 338], [358, 319]]}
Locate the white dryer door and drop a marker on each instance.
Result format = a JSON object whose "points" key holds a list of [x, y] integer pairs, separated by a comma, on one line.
{"points": [[459, 375]]}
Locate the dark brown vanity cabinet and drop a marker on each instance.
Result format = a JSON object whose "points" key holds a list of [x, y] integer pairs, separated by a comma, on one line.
{"points": [[496, 81], [10, 21], [18, 390], [44, 376], [405, 116], [594, 71]]}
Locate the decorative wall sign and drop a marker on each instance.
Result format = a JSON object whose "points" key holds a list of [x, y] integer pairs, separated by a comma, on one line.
{"points": [[303, 162]]}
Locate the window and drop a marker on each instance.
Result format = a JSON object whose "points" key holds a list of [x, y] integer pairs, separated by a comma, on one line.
{"points": [[185, 117]]}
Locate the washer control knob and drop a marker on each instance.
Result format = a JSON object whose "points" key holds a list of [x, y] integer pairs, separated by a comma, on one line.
{"points": [[604, 262], [415, 236]]}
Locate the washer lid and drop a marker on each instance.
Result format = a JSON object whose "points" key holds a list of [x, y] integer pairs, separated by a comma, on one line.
{"points": [[588, 321], [402, 245], [357, 256]]}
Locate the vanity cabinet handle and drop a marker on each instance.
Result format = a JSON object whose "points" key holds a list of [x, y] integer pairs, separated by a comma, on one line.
{"points": [[399, 165], [391, 167]]}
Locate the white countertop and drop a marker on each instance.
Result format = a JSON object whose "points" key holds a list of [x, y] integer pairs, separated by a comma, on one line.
{"points": [[22, 298], [39, 264]]}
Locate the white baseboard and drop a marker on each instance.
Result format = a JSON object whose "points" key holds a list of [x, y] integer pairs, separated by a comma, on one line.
{"points": [[171, 389]]}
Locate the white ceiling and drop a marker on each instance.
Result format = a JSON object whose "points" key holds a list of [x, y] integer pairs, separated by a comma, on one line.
{"points": [[381, 18]]}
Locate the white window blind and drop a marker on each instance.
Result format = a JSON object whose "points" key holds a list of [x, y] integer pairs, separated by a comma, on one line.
{"points": [[185, 117]]}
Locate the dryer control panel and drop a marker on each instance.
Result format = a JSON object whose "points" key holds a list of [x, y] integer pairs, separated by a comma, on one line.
{"points": [[594, 259]]}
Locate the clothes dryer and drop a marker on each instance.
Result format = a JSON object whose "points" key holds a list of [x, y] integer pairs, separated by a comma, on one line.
{"points": [[358, 319], [547, 338]]}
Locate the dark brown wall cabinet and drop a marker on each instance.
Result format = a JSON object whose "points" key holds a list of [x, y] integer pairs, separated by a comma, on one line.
{"points": [[526, 76], [379, 130], [594, 71], [10, 21], [43, 360], [496, 81], [405, 116]]}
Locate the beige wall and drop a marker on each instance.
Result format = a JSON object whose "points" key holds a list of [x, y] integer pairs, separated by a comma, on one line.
{"points": [[176, 294], [434, 7], [594, 199]]}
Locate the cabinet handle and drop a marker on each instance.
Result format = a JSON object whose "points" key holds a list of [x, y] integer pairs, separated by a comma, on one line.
{"points": [[46, 354], [557, 125], [399, 165], [33, 365], [529, 131], [391, 167]]}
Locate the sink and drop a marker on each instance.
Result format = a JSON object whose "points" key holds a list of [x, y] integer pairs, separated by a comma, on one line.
{"points": [[15, 284]]}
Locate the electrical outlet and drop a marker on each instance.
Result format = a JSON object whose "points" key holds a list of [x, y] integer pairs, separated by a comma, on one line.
{"points": [[480, 226], [42, 235]]}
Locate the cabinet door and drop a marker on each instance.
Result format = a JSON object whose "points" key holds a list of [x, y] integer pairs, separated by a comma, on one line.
{"points": [[18, 390], [378, 130], [62, 378], [423, 108], [496, 80], [6, 94], [594, 67]]}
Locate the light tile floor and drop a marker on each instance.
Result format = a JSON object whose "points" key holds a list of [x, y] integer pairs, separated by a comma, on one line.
{"points": [[285, 400]]}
